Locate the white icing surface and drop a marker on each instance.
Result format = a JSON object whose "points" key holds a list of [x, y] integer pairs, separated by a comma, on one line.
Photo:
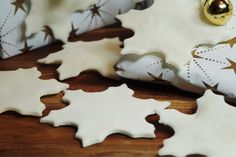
{"points": [[21, 91], [174, 28], [98, 115], [77, 57], [54, 13], [210, 131]]}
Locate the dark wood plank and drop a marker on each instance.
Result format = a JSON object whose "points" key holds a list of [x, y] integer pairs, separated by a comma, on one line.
{"points": [[25, 136]]}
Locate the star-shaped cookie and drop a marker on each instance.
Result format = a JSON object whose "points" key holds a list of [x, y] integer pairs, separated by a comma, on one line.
{"points": [[173, 28], [55, 14], [21, 91], [77, 57], [98, 115], [210, 131]]}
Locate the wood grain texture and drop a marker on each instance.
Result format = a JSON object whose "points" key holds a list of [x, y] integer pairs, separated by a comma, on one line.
{"points": [[24, 136]]}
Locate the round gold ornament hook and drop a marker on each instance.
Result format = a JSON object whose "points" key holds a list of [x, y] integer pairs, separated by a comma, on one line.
{"points": [[218, 12]]}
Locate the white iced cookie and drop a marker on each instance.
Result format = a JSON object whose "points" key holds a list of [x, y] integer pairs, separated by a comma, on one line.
{"points": [[21, 91], [54, 13], [77, 57], [98, 115], [210, 131], [174, 28]]}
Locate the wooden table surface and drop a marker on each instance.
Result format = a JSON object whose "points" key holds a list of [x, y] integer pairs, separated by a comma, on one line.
{"points": [[25, 136]]}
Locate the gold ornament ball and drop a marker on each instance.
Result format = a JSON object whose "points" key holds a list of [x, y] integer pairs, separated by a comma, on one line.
{"points": [[218, 12]]}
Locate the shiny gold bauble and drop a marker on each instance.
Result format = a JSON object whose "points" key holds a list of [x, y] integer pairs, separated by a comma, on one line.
{"points": [[218, 12]]}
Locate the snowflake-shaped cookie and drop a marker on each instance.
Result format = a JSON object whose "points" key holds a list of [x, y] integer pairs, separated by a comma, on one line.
{"points": [[55, 14], [210, 131], [79, 56], [98, 115], [21, 91], [174, 28]]}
